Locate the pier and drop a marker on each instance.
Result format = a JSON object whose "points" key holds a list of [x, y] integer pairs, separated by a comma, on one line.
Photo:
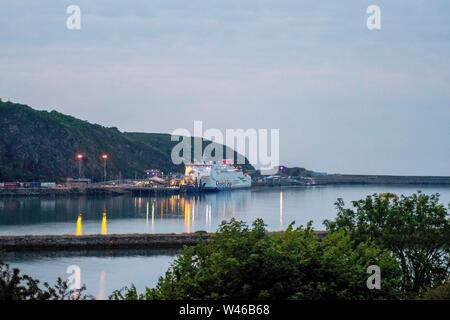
{"points": [[105, 242], [100, 242], [333, 179], [133, 188]]}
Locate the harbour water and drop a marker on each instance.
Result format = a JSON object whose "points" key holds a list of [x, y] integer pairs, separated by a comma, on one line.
{"points": [[101, 272], [104, 271]]}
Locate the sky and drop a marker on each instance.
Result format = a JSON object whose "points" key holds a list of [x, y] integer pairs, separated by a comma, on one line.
{"points": [[346, 99]]}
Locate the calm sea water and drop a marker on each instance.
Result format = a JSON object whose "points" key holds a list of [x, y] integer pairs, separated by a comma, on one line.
{"points": [[101, 272], [104, 271]]}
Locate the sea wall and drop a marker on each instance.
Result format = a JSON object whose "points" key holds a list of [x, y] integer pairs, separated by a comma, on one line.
{"points": [[331, 179], [380, 179], [58, 192], [105, 242], [99, 242]]}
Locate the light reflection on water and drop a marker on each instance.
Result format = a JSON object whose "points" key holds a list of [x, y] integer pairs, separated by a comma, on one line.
{"points": [[79, 229], [104, 224], [123, 214], [183, 213]]}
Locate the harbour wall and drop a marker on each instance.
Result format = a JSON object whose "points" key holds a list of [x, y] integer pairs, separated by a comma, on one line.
{"points": [[331, 179], [100, 242], [380, 179], [59, 192], [105, 242]]}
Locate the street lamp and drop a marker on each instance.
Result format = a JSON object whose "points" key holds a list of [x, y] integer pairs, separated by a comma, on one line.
{"points": [[104, 158], [79, 158]]}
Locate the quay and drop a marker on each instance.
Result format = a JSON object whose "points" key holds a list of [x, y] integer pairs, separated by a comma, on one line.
{"points": [[100, 242], [341, 179], [105, 242], [103, 189], [91, 191]]}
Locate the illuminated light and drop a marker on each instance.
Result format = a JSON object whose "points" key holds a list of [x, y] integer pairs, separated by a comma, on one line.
{"points": [[188, 170], [104, 156], [79, 156], [79, 229], [104, 230]]}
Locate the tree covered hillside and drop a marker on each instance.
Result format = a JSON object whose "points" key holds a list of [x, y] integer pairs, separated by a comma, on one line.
{"points": [[41, 146]]}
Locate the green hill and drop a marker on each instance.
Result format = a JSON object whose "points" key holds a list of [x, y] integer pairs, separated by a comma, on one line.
{"points": [[41, 146]]}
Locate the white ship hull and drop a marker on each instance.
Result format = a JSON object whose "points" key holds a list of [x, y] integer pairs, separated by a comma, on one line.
{"points": [[217, 177], [212, 184]]}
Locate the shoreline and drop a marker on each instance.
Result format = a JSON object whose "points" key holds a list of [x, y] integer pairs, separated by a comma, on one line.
{"points": [[329, 181]]}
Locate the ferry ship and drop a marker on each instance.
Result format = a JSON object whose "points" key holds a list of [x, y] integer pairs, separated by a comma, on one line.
{"points": [[216, 176]]}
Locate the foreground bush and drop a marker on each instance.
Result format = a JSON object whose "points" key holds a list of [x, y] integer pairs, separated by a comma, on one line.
{"points": [[416, 229], [249, 263]]}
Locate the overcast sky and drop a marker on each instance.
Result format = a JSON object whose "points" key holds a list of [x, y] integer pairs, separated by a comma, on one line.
{"points": [[345, 99]]}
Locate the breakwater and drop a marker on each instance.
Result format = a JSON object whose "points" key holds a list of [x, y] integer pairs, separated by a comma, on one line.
{"points": [[105, 242], [100, 242], [60, 192], [333, 179], [330, 179]]}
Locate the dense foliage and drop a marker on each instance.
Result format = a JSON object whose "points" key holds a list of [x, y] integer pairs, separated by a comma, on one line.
{"points": [[416, 229], [15, 286], [249, 263]]}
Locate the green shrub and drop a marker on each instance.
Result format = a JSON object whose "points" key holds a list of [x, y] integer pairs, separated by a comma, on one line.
{"points": [[249, 263], [416, 229]]}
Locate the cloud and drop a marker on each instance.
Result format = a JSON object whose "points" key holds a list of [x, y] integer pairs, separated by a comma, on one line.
{"points": [[310, 68]]}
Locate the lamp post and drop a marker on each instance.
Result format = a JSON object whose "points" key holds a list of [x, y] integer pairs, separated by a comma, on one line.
{"points": [[104, 158], [79, 157]]}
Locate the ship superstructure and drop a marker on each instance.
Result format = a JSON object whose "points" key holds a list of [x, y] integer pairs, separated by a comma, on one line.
{"points": [[216, 176]]}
